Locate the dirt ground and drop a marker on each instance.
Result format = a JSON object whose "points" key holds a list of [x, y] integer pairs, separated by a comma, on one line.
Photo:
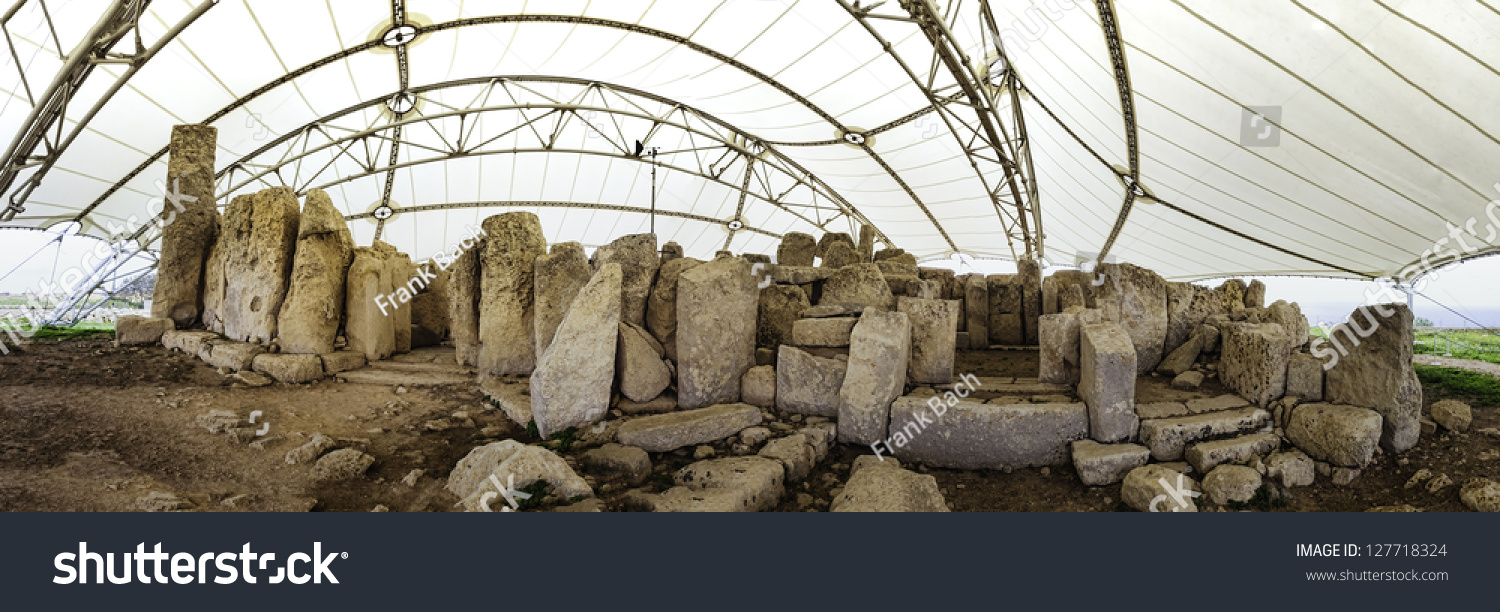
{"points": [[86, 426]]}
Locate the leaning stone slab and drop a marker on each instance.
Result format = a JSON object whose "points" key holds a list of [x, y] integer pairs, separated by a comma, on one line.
{"points": [[716, 307], [1205, 456], [879, 352], [288, 368], [1167, 438], [972, 435], [1107, 381], [888, 488], [1377, 371], [132, 330], [639, 369], [1105, 464], [934, 325], [309, 319], [639, 261], [665, 432], [831, 332], [1342, 435], [808, 385], [572, 382], [560, 275], [661, 307]]}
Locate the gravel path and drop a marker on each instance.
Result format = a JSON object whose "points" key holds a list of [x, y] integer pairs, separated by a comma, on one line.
{"points": [[1483, 367]]}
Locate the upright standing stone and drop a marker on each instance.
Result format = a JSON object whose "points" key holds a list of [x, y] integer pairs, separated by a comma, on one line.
{"points": [[806, 384], [796, 249], [716, 308], [866, 243], [1232, 294], [1050, 287], [463, 302], [934, 328], [1373, 368], [255, 251], [1071, 296], [830, 238], [858, 285], [670, 251], [879, 354], [189, 234], [404, 286], [1107, 383], [1255, 295], [661, 307], [572, 381], [1007, 322], [314, 306], [1029, 277], [1136, 298], [560, 275], [429, 311], [1058, 355], [838, 255], [976, 312], [507, 294], [780, 307], [369, 329], [639, 262], [1254, 361]]}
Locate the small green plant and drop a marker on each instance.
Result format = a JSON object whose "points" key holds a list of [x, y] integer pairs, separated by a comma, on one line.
{"points": [[563, 440], [536, 490], [531, 429]]}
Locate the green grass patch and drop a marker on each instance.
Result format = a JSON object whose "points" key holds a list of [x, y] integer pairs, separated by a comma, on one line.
{"points": [[1475, 345], [1452, 383]]}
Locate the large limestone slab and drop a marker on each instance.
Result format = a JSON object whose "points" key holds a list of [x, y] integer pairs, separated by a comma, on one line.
{"points": [[1341, 435], [1136, 298], [1188, 306], [1182, 358], [1105, 464], [560, 275], [1058, 356], [640, 370], [660, 433], [716, 307], [253, 262], [369, 328], [1290, 317], [934, 328], [404, 288], [879, 353], [838, 255], [976, 311], [1254, 360], [1304, 377], [187, 341], [1167, 438], [886, 487], [1107, 381], [1006, 322], [571, 385], [289, 368], [1029, 278], [1372, 367], [796, 249], [507, 297], [972, 435], [188, 234], [661, 307], [1205, 456], [806, 384], [639, 261], [134, 330], [463, 302], [831, 332], [829, 238], [860, 284], [778, 311]]}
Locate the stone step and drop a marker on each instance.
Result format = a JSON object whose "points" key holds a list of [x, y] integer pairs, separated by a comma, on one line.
{"points": [[432, 354], [995, 386], [660, 433], [373, 376], [975, 435], [1167, 438], [1203, 405], [1205, 456], [436, 368]]}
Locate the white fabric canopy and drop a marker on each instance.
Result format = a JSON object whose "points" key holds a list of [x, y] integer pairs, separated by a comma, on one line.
{"points": [[1381, 140]]}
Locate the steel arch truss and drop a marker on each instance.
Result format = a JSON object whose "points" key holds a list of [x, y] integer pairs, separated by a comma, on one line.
{"points": [[42, 138], [306, 158], [972, 99]]}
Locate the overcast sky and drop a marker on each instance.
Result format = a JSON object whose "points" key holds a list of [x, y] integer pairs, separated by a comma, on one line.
{"points": [[1469, 288]]}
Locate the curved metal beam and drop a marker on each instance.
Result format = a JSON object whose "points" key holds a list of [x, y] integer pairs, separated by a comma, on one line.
{"points": [[499, 19], [1109, 23]]}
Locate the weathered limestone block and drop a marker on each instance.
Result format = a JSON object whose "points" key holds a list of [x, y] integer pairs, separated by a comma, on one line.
{"points": [[1255, 295], [560, 275], [1254, 361], [572, 381], [880, 487], [187, 341], [905, 265], [796, 249], [1029, 277], [830, 332], [1136, 298], [796, 454], [860, 284], [1204, 456], [968, 434], [660, 433], [1341, 435], [639, 261], [661, 308], [1168, 437], [829, 238], [1452, 415], [236, 356], [1059, 357], [405, 288], [505, 459], [716, 307], [808, 385], [1290, 317], [314, 307], [934, 325], [1050, 286], [1376, 372], [1071, 296], [1304, 377], [888, 253], [799, 275], [508, 294], [639, 367], [879, 353], [779, 308], [976, 311], [758, 386], [189, 234], [369, 328], [253, 258], [733, 484], [1188, 306], [1007, 322], [670, 251], [1211, 336], [463, 303], [342, 361], [866, 243], [612, 461], [839, 254], [1231, 294], [1101, 465], [1143, 490], [1107, 381], [1182, 358], [289, 368], [1294, 468], [1074, 278], [133, 330], [1227, 483]]}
